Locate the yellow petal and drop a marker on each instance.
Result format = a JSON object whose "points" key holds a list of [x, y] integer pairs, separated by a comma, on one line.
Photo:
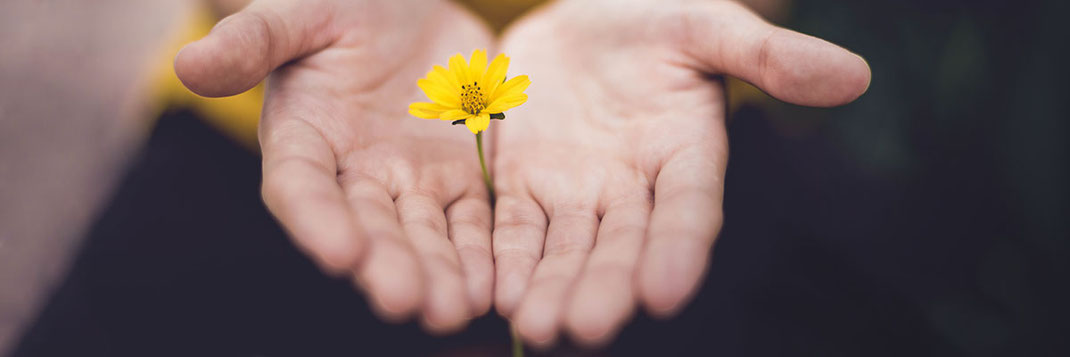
{"points": [[430, 106], [478, 123], [442, 81], [515, 85], [449, 77], [439, 94], [495, 73], [454, 114], [423, 114], [478, 65], [427, 110], [459, 69], [505, 103]]}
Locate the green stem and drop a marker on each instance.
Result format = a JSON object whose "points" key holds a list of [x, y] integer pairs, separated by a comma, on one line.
{"points": [[518, 346], [483, 164]]}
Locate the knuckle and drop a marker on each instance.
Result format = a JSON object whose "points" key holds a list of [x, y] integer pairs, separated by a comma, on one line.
{"points": [[335, 260], [474, 250], [630, 229], [256, 35], [421, 212], [518, 216], [472, 222], [443, 263], [469, 213], [568, 247], [552, 280], [615, 269], [516, 255]]}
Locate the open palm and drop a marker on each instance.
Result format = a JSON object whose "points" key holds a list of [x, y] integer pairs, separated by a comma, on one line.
{"points": [[610, 179], [396, 203]]}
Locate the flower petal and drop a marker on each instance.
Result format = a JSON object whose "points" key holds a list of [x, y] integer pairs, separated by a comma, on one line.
{"points": [[430, 106], [455, 114], [459, 69], [478, 123], [505, 103], [450, 78], [478, 65], [515, 85], [443, 81], [424, 114], [425, 110], [439, 94], [495, 73]]}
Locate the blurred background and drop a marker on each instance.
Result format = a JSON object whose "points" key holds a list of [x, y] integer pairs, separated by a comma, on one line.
{"points": [[930, 217]]}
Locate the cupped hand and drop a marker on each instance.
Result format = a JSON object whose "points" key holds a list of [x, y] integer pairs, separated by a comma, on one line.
{"points": [[395, 203], [610, 179]]}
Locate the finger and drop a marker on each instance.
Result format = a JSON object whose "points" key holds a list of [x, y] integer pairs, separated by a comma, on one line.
{"points": [[301, 192], [519, 230], [390, 272], [569, 239], [244, 47], [469, 228], [604, 298], [445, 307], [683, 225], [726, 37]]}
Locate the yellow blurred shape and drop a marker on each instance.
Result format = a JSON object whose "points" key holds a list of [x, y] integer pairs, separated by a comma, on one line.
{"points": [[499, 13], [236, 116]]}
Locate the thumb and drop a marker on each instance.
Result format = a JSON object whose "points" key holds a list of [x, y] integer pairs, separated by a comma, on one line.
{"points": [[727, 38], [243, 48]]}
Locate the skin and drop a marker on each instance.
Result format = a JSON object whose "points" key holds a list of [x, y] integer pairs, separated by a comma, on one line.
{"points": [[610, 179], [394, 203]]}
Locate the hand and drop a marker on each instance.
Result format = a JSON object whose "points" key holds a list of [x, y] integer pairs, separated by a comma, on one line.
{"points": [[610, 179], [394, 202]]}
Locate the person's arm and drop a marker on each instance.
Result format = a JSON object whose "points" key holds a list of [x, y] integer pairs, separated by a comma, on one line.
{"points": [[73, 106]]}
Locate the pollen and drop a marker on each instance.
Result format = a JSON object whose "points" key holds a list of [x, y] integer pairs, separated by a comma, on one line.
{"points": [[473, 101]]}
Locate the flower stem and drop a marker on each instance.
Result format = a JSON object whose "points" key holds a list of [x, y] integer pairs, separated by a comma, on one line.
{"points": [[518, 347], [483, 164]]}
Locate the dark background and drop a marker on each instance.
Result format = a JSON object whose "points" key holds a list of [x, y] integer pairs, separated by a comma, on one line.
{"points": [[927, 218]]}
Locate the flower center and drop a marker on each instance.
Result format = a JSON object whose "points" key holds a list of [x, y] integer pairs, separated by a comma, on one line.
{"points": [[472, 99]]}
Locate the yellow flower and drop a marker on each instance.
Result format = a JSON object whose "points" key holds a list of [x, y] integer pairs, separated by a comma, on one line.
{"points": [[470, 91]]}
